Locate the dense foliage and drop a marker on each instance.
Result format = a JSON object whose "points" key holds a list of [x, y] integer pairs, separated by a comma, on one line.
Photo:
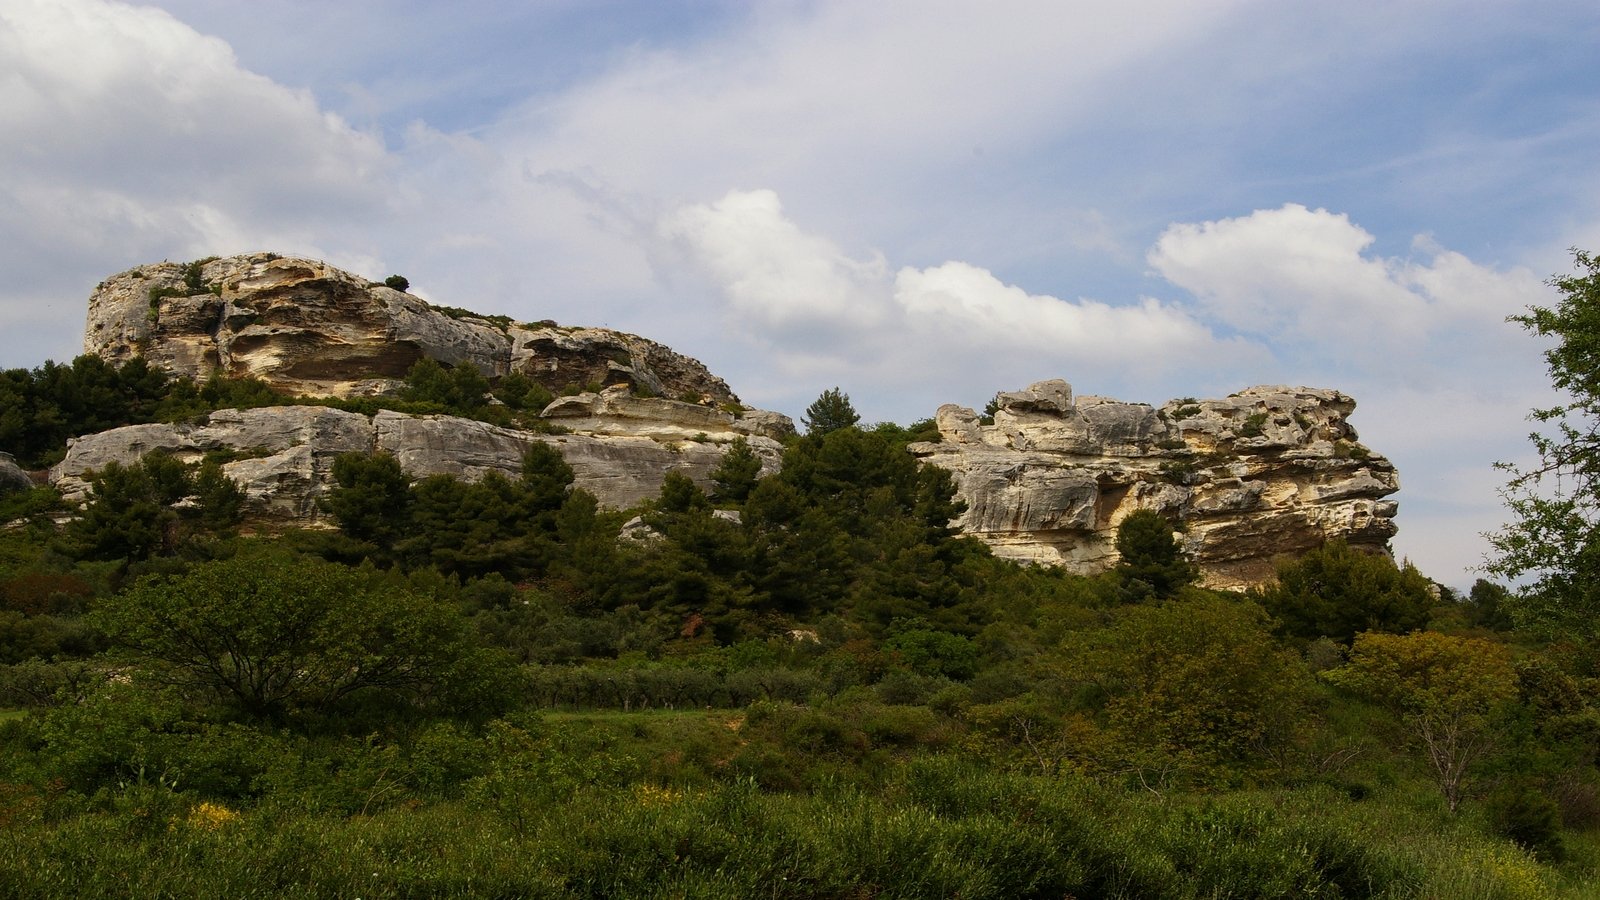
{"points": [[802, 684], [1555, 537]]}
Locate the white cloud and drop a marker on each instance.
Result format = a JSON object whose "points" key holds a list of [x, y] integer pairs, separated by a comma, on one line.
{"points": [[960, 302], [808, 300], [775, 276], [129, 137], [1304, 275]]}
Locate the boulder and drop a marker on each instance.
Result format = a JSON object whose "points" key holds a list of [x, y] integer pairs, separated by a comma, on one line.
{"points": [[13, 478]]}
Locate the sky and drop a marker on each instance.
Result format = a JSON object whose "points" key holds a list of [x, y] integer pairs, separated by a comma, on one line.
{"points": [[918, 202]]}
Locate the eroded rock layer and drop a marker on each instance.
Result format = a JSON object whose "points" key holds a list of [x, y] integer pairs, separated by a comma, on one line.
{"points": [[283, 456], [311, 329], [1266, 472]]}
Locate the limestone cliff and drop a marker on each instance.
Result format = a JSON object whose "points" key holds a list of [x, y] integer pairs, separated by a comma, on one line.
{"points": [[311, 329], [283, 456], [1266, 472]]}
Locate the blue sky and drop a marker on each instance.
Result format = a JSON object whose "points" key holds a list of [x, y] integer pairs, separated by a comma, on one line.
{"points": [[920, 202]]}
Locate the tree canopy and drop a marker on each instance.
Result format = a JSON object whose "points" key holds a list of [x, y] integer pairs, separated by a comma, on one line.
{"points": [[1152, 562], [830, 412], [1554, 536], [1336, 592], [271, 634]]}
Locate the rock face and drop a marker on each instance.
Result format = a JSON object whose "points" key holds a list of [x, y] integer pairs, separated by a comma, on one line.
{"points": [[283, 456], [1266, 472], [311, 329], [13, 477]]}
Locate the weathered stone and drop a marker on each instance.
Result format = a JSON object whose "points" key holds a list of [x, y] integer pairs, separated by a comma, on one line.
{"points": [[308, 328], [1266, 472], [13, 477], [283, 456], [561, 358], [615, 411]]}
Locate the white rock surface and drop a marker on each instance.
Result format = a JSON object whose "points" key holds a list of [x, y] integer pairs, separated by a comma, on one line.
{"points": [[1266, 472], [283, 456]]}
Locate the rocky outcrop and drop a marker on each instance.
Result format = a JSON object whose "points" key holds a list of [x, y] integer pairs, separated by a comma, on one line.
{"points": [[13, 477], [616, 411], [1266, 472], [310, 329], [283, 456]]}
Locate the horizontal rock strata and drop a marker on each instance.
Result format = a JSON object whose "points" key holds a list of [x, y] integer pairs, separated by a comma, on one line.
{"points": [[314, 330], [1264, 473]]}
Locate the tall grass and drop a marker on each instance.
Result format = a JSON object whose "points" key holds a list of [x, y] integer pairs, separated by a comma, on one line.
{"points": [[939, 828]]}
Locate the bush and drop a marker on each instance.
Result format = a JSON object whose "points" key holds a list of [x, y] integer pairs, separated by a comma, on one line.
{"points": [[1337, 592], [1529, 818]]}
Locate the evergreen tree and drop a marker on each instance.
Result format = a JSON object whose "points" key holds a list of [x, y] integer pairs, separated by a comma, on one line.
{"points": [[736, 474], [1337, 592], [1152, 563], [372, 499], [831, 412]]}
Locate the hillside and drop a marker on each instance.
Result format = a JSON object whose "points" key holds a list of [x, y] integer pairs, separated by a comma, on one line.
{"points": [[457, 631]]}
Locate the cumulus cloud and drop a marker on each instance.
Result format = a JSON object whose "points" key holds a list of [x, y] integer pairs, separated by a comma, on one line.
{"points": [[810, 300], [775, 276], [130, 137], [1305, 275], [964, 303]]}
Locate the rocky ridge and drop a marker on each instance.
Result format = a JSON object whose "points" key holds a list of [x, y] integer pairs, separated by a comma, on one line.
{"points": [[308, 328], [283, 456], [1266, 472]]}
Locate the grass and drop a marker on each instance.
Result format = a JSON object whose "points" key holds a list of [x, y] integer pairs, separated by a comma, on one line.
{"points": [[945, 828]]}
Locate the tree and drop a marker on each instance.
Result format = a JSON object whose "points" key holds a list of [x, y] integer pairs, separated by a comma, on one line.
{"points": [[461, 389], [1555, 504], [1152, 562], [831, 412], [1487, 603], [1446, 690], [134, 512], [398, 282], [1337, 592], [271, 634], [372, 499], [736, 474], [1199, 679]]}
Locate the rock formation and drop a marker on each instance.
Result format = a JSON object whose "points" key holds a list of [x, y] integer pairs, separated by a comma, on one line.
{"points": [[12, 476], [1266, 472], [283, 456], [308, 328], [1263, 473]]}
